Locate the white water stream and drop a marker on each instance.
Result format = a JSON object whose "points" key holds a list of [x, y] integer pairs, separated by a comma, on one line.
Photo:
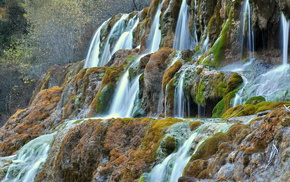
{"points": [[119, 37], [173, 165], [181, 103], [154, 38], [273, 85], [183, 40], [247, 30], [29, 160]]}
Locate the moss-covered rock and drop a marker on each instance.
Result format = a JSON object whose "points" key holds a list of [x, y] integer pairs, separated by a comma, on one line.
{"points": [[234, 81], [198, 161], [255, 100], [248, 109], [169, 73]]}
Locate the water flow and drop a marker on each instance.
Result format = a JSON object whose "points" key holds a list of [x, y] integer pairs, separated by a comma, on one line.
{"points": [[285, 39], [246, 24], [273, 84], [154, 37], [124, 98], [183, 39], [92, 59], [126, 39], [29, 160], [173, 165], [115, 32], [179, 97], [120, 37]]}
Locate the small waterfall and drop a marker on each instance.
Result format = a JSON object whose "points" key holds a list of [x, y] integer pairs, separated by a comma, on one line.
{"points": [[126, 92], [173, 165], [238, 99], [92, 59], [179, 97], [115, 32], [154, 37], [29, 160], [272, 85], [120, 37], [183, 39], [285, 38], [126, 39], [246, 25]]}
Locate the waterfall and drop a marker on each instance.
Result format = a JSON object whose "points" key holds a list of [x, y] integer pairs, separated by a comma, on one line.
{"points": [[173, 165], [154, 37], [115, 32], [126, 39], [92, 59], [285, 38], [29, 160], [272, 84], [183, 39], [179, 97], [126, 92], [246, 25], [120, 37]]}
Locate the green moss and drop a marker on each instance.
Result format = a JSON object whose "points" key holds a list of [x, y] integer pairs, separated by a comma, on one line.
{"points": [[248, 109], [142, 179], [237, 132], [194, 125], [210, 146], [219, 46], [104, 98], [199, 96], [170, 97], [255, 100], [169, 144], [169, 73], [223, 105], [155, 133], [263, 106], [234, 81], [220, 89], [77, 121]]}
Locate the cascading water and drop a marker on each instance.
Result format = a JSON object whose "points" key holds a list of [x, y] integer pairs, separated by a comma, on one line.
{"points": [[126, 91], [246, 28], [183, 39], [181, 104], [116, 31], [272, 85], [123, 101], [92, 59], [173, 165], [126, 39], [285, 39], [154, 37], [120, 37], [29, 160]]}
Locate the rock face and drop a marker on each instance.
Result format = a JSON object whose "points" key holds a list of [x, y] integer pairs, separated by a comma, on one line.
{"points": [[153, 73]]}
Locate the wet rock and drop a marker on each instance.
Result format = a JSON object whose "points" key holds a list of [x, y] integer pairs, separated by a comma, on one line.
{"points": [[153, 74], [29, 123]]}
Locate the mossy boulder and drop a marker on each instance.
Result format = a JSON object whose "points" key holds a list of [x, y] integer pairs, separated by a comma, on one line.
{"points": [[169, 73], [198, 161], [169, 145], [255, 100], [248, 109]]}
